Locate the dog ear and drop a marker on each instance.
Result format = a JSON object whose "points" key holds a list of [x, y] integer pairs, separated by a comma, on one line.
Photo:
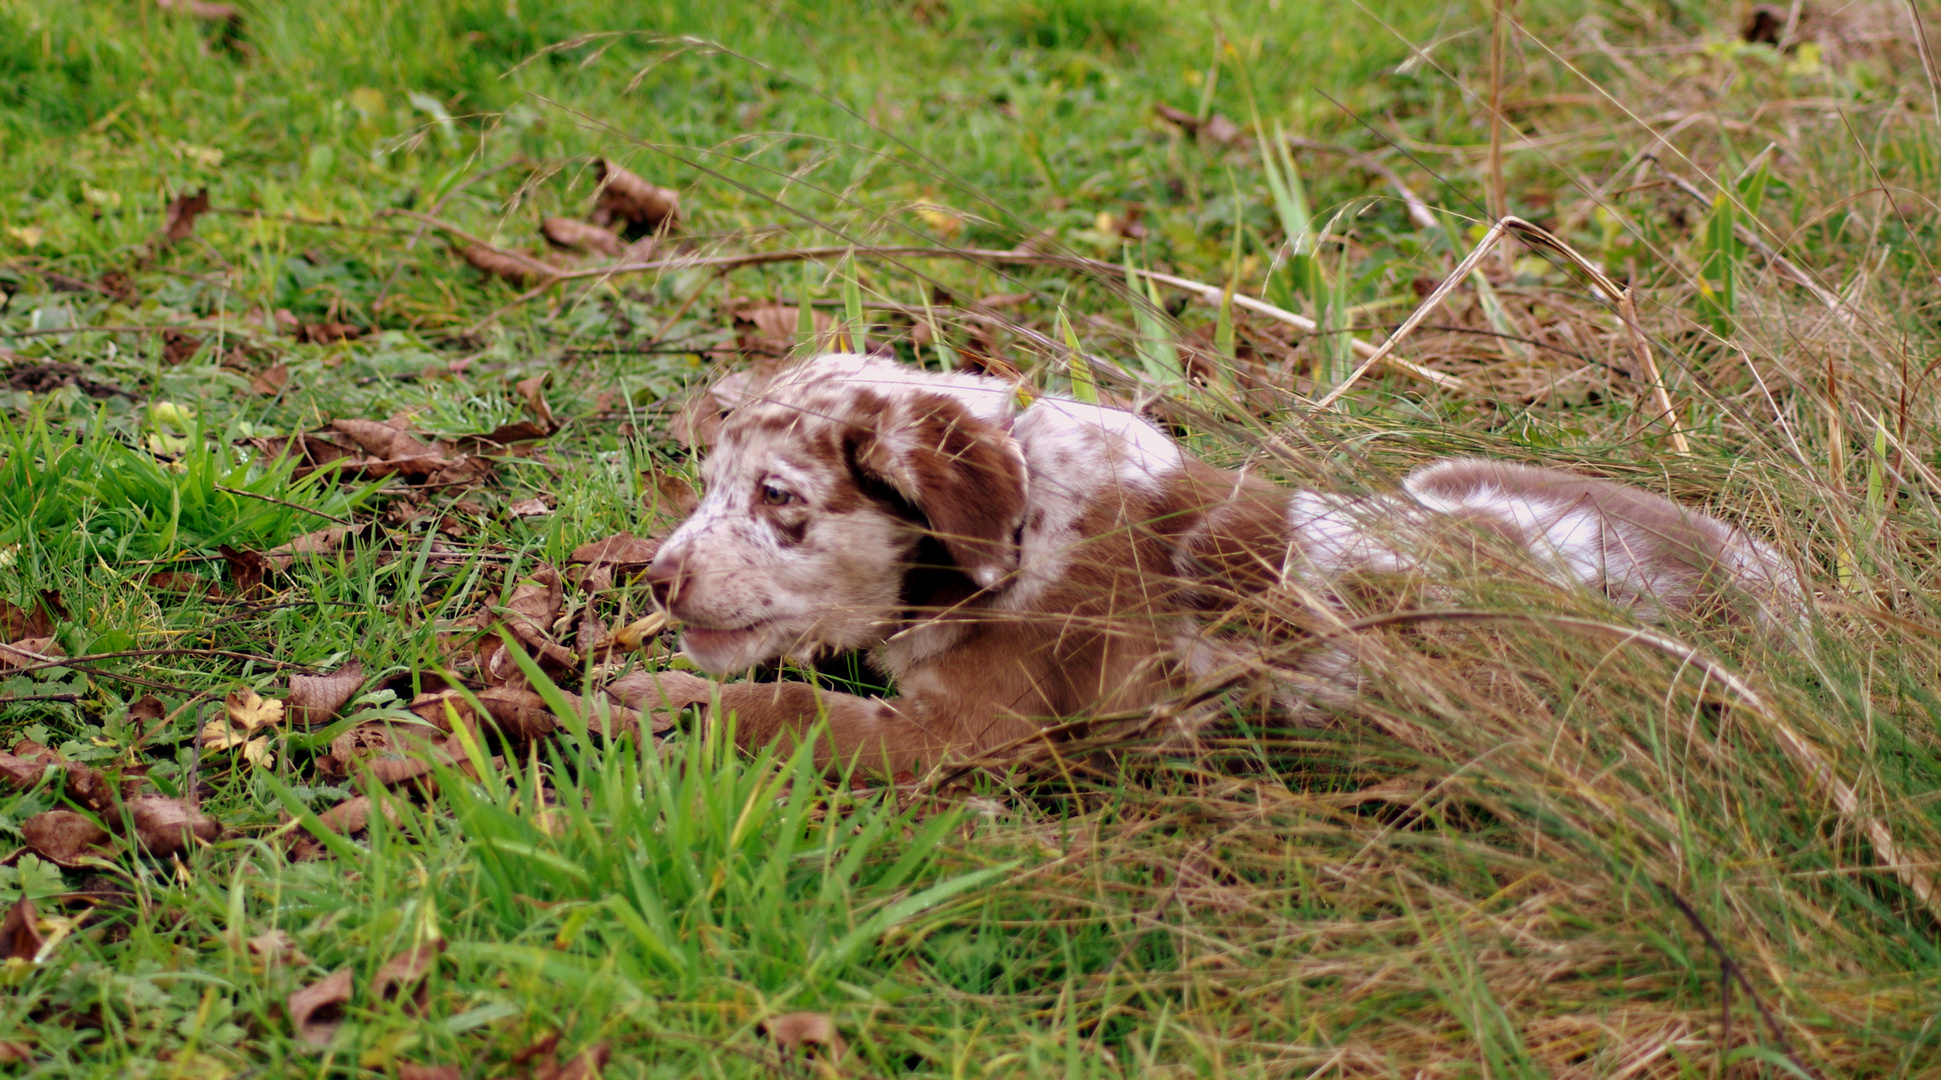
{"points": [[964, 475]]}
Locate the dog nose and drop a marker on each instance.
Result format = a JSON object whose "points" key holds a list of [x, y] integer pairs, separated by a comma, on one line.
{"points": [[665, 576]]}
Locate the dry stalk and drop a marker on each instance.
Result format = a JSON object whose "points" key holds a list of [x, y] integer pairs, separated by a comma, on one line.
{"points": [[1211, 294], [1797, 746]]}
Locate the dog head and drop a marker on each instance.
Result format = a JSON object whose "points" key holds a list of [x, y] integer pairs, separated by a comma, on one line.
{"points": [[825, 491]]}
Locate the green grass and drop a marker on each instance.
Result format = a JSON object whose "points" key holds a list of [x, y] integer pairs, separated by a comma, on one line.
{"points": [[1472, 874]]}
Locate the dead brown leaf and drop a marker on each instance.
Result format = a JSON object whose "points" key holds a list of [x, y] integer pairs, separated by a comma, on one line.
{"points": [[246, 569], [516, 270], [22, 773], [184, 583], [63, 836], [315, 699], [277, 947], [533, 391], [534, 507], [518, 712], [580, 236], [770, 329], [1215, 129], [317, 1010], [19, 938], [801, 1030], [13, 1052], [17, 622], [179, 347], [146, 710], [321, 542], [327, 333], [585, 1065], [621, 549], [384, 441], [49, 376], [672, 494], [29, 652], [401, 975], [270, 381], [165, 826], [90, 788], [178, 221], [625, 198]]}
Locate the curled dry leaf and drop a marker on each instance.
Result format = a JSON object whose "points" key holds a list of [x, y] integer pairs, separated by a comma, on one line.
{"points": [[626, 198], [770, 329], [179, 347], [270, 381], [20, 938], [327, 333], [19, 772], [580, 236], [63, 836], [321, 542], [17, 623], [516, 270], [384, 441], [178, 222], [317, 1010], [400, 975], [246, 569], [146, 710], [533, 507], [185, 583], [29, 652], [533, 390], [244, 713], [622, 549], [800, 1030], [165, 826], [277, 947], [315, 699], [588, 1064], [671, 494]]}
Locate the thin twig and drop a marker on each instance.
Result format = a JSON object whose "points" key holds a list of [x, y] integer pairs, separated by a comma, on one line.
{"points": [[1429, 303], [280, 502], [220, 654], [1209, 293], [1729, 972]]}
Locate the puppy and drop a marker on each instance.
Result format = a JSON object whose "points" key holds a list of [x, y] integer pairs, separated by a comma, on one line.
{"points": [[1011, 561]]}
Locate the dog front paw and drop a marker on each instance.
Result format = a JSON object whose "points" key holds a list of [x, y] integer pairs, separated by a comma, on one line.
{"points": [[660, 691]]}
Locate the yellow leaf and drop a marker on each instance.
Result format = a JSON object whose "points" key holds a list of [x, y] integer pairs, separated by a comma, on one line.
{"points": [[250, 711], [216, 735], [941, 219], [27, 235], [257, 752]]}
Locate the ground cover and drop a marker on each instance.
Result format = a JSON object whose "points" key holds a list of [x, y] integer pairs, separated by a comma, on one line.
{"points": [[323, 475]]}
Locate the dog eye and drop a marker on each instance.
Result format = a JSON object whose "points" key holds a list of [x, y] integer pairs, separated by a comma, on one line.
{"points": [[775, 496]]}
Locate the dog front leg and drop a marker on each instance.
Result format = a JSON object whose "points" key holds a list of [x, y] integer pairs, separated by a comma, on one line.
{"points": [[875, 734]]}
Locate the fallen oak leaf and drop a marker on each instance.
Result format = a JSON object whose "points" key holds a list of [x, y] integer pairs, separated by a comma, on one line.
{"points": [[270, 381], [401, 975], [625, 197], [620, 549], [246, 568], [17, 622], [178, 221], [20, 939], [533, 390], [317, 1010], [799, 1030], [328, 333], [276, 947], [585, 1065], [321, 542], [166, 826], [516, 270], [383, 441], [570, 235], [29, 652], [315, 699], [63, 836]]}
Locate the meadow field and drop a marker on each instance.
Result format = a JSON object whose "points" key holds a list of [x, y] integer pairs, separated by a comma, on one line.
{"points": [[353, 355]]}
